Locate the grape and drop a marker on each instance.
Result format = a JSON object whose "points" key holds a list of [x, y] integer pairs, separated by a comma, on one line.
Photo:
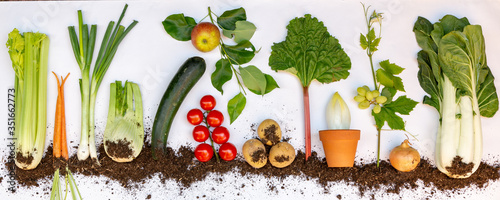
{"points": [[381, 99], [364, 104], [376, 109], [375, 93], [361, 91], [359, 98], [369, 96]]}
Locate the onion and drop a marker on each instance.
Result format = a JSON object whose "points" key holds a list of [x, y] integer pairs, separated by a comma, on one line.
{"points": [[404, 158]]}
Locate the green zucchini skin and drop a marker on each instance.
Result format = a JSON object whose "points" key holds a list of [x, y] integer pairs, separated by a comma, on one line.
{"points": [[185, 78]]}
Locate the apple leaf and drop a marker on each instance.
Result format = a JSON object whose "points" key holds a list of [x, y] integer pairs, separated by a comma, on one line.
{"points": [[253, 79], [222, 74], [229, 18], [244, 31], [235, 106], [241, 53], [270, 84], [179, 26]]}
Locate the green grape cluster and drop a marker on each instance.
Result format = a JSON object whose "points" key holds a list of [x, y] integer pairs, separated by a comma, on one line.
{"points": [[367, 97]]}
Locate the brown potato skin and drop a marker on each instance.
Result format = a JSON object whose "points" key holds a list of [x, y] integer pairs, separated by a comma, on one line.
{"points": [[251, 146], [282, 149], [261, 131]]}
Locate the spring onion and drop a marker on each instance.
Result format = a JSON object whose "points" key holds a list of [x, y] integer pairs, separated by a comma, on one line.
{"points": [[83, 48]]}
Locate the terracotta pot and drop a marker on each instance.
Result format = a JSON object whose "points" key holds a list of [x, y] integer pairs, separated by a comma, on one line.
{"points": [[340, 146]]}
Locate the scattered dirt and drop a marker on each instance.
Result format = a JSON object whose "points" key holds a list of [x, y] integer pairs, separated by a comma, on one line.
{"points": [[458, 167], [120, 149], [188, 170]]}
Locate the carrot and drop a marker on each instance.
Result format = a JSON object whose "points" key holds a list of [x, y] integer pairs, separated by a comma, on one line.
{"points": [[57, 123], [64, 142], [60, 147]]}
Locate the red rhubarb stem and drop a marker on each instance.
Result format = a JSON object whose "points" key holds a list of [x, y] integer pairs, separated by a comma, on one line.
{"points": [[307, 122]]}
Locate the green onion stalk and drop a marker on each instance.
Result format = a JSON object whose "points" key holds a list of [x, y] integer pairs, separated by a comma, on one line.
{"points": [[83, 48]]}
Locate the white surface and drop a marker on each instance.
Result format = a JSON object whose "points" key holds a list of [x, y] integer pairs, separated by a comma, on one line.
{"points": [[150, 57]]}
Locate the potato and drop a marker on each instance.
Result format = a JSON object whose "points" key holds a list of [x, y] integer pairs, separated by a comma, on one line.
{"points": [[281, 155], [254, 153], [269, 132]]}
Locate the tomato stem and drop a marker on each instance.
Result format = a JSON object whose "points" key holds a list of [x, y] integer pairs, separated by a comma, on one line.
{"points": [[210, 136]]}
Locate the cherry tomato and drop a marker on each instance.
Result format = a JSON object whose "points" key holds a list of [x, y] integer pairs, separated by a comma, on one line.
{"points": [[200, 133], [203, 152], [215, 118], [207, 102], [220, 135], [227, 151], [195, 116]]}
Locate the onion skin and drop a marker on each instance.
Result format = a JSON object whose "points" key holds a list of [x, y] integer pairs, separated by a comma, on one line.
{"points": [[404, 158]]}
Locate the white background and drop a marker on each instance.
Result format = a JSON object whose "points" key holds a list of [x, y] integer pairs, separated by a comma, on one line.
{"points": [[150, 57]]}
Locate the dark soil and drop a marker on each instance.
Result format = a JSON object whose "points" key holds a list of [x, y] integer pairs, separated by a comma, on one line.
{"points": [[258, 156], [458, 167], [281, 158], [270, 135], [185, 169], [120, 149], [21, 159]]}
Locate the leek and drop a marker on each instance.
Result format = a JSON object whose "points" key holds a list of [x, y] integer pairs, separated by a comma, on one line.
{"points": [[83, 48], [125, 121], [454, 72], [29, 55]]}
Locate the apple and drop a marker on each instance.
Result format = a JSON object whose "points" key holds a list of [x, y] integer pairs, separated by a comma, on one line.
{"points": [[205, 36]]}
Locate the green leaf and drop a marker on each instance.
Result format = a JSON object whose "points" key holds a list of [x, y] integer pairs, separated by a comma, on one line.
{"points": [[389, 93], [394, 121], [235, 106], [391, 67], [385, 78], [244, 31], [270, 83], [362, 41], [402, 105], [376, 42], [253, 79], [239, 54], [179, 27], [222, 74], [371, 35], [310, 53], [487, 96], [229, 18]]}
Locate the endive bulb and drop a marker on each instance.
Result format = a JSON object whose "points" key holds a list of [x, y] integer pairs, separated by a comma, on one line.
{"points": [[337, 113]]}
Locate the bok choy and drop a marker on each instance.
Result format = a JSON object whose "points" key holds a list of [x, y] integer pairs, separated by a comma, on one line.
{"points": [[453, 71], [29, 54], [124, 134]]}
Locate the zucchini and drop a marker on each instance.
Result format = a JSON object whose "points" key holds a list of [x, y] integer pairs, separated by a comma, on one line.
{"points": [[185, 78]]}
